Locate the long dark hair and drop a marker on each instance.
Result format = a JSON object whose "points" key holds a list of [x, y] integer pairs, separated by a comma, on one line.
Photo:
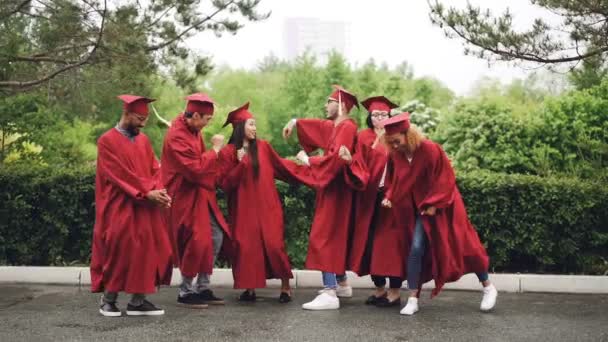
{"points": [[236, 139]]}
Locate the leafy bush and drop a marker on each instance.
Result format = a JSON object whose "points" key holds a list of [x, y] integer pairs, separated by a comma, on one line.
{"points": [[528, 223]]}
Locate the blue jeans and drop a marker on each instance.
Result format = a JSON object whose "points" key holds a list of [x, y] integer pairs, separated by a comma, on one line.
{"points": [[330, 280], [417, 250]]}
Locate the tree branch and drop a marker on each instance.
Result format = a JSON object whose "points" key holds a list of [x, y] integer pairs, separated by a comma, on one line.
{"points": [[33, 83], [184, 32], [17, 9]]}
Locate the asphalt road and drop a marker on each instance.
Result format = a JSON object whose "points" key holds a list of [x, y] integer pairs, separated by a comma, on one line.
{"points": [[55, 313]]}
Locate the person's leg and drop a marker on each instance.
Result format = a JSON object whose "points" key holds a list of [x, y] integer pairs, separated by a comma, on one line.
{"points": [[329, 280], [414, 261], [343, 290], [394, 291], [489, 292], [379, 281], [109, 297], [107, 305], [217, 236], [414, 267], [137, 299], [285, 295], [285, 287], [484, 278], [203, 281], [185, 287], [379, 291]]}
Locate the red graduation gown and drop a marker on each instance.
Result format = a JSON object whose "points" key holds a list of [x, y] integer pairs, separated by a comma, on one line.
{"points": [[387, 255], [334, 198], [190, 175], [429, 180], [131, 251], [256, 215]]}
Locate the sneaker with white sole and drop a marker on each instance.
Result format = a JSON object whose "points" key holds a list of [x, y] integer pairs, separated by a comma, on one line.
{"points": [[489, 298], [145, 309], [344, 291], [327, 300], [109, 310], [411, 307]]}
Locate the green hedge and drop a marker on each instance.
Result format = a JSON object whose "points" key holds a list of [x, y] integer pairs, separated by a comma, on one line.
{"points": [[528, 223]]}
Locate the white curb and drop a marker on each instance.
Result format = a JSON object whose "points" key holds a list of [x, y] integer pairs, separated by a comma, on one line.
{"points": [[80, 276]]}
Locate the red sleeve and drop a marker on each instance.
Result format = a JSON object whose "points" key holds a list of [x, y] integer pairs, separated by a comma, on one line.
{"points": [[325, 168], [391, 179], [110, 167], [314, 133], [288, 170], [231, 168], [357, 174], [443, 181], [196, 168]]}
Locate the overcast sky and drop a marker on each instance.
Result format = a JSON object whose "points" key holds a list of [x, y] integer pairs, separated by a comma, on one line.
{"points": [[390, 31]]}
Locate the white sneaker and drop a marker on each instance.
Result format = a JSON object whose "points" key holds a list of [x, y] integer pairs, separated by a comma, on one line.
{"points": [[489, 298], [327, 300], [411, 307], [344, 291]]}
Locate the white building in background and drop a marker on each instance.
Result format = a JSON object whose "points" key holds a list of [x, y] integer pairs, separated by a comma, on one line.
{"points": [[317, 36]]}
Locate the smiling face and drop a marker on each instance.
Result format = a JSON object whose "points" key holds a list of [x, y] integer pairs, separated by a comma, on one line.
{"points": [[250, 129]]}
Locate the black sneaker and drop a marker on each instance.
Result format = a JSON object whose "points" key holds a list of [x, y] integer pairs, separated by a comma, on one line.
{"points": [[372, 300], [109, 310], [146, 309], [384, 302], [284, 297], [191, 300], [208, 297], [247, 296]]}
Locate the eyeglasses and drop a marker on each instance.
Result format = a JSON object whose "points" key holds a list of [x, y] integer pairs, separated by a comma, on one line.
{"points": [[141, 118], [379, 115]]}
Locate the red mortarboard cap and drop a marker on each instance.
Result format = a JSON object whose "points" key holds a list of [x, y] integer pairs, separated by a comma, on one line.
{"points": [[344, 96], [135, 104], [238, 115], [200, 103], [380, 103], [397, 124]]}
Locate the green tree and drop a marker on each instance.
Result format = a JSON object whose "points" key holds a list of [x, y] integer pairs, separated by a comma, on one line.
{"points": [[69, 35], [579, 37]]}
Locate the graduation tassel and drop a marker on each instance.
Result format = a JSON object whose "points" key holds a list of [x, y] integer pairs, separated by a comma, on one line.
{"points": [[167, 123]]}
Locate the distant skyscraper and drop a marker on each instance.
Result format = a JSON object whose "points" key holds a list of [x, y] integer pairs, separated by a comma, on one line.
{"points": [[317, 36]]}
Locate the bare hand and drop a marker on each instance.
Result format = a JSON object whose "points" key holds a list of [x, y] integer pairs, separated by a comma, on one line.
{"points": [[303, 157], [378, 139], [159, 197], [430, 211], [288, 129], [344, 153], [240, 153], [387, 203], [217, 142]]}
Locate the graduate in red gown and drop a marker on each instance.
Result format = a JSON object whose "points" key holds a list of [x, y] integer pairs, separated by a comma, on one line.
{"points": [[131, 251], [197, 225], [330, 227], [443, 244], [249, 169], [378, 241]]}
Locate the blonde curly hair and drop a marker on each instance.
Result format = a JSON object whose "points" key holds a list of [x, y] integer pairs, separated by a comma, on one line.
{"points": [[413, 138]]}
